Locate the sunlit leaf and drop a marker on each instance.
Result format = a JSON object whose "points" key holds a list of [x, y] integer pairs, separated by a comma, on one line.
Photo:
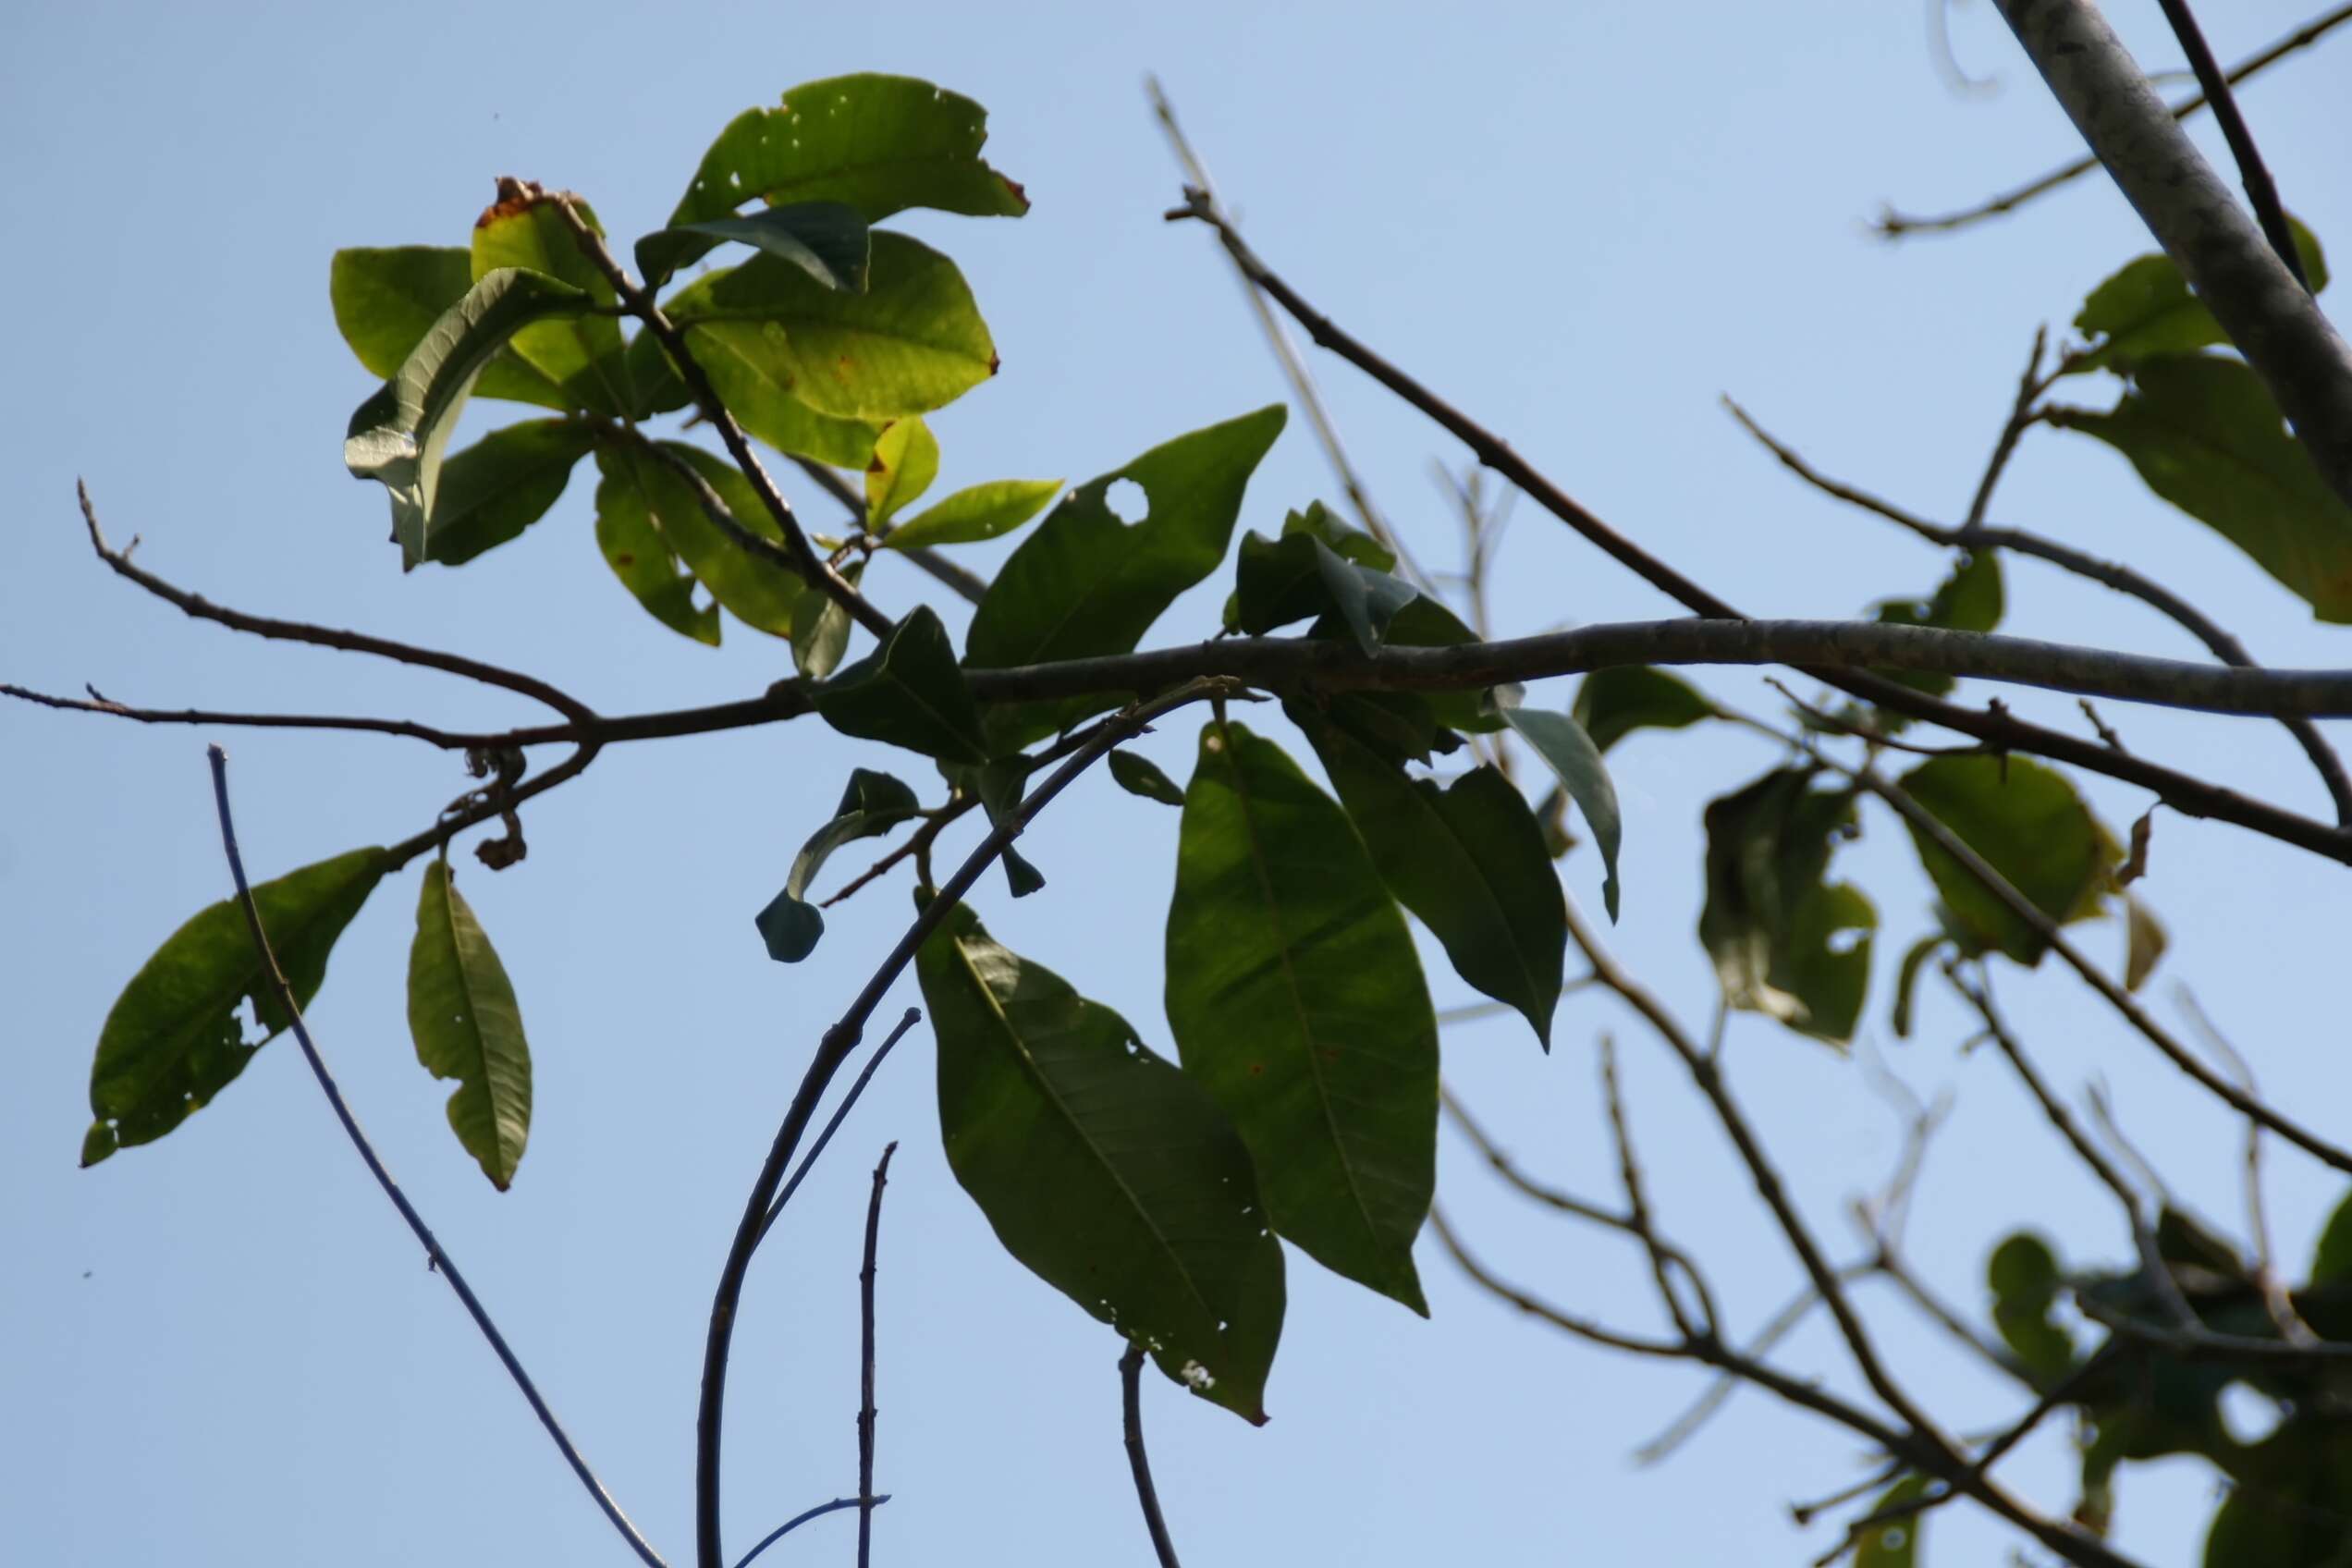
{"points": [[905, 461], [757, 588], [502, 485], [907, 693], [873, 805], [386, 301], [2148, 310], [980, 511], [584, 354], [1138, 776], [1612, 703], [630, 534], [829, 240], [1785, 941], [2028, 822], [467, 1026], [1564, 747]]}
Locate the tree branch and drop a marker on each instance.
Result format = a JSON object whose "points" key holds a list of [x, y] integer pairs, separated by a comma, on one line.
{"points": [[2260, 193], [1131, 1377], [865, 1356]]}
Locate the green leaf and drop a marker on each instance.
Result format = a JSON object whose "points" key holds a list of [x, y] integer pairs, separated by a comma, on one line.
{"points": [[1969, 600], [1906, 978], [2023, 1276], [1297, 1001], [907, 693], [1895, 1544], [2204, 434], [1564, 747], [397, 437], [1468, 860], [1104, 1170], [630, 534], [655, 380], [386, 301], [1612, 703], [980, 511], [1426, 623], [582, 354], [2148, 310], [821, 629], [173, 1038], [1138, 776], [1319, 566], [873, 805], [759, 590], [878, 144], [2332, 1258], [467, 1026], [2029, 825], [905, 461], [1783, 938], [1084, 583], [999, 787], [756, 380], [829, 240], [911, 342], [502, 485]]}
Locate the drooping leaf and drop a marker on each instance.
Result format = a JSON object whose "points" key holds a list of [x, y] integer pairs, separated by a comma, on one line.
{"points": [[1564, 747], [386, 301], [2144, 942], [757, 588], [2028, 822], [1297, 1000], [2204, 434], [398, 436], [907, 693], [1111, 1175], [467, 1026], [977, 512], [1319, 566], [173, 1038], [1468, 860], [1083, 583], [905, 461], [502, 485], [821, 628], [2023, 1276], [1895, 1543], [1138, 775], [582, 354], [873, 805], [2148, 310], [1787, 941], [829, 240], [1969, 600], [911, 342], [878, 144], [630, 534], [999, 787], [1906, 978], [1612, 703]]}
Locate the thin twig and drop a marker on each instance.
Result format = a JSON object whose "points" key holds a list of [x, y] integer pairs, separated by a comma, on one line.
{"points": [[840, 1114], [865, 1358], [958, 580], [2276, 1299], [1636, 1201], [1131, 1377], [796, 1520], [283, 992], [2021, 419], [2260, 193]]}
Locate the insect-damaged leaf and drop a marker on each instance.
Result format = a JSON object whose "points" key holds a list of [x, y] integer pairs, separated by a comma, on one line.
{"points": [[1787, 941], [1571, 754], [878, 145], [397, 437], [1612, 703], [827, 241], [386, 301], [173, 1038], [1895, 1543], [1084, 583], [1110, 1174], [2029, 824], [584, 354], [2148, 310], [1296, 1000], [874, 803], [467, 1026], [1468, 859], [907, 693], [628, 531], [502, 485]]}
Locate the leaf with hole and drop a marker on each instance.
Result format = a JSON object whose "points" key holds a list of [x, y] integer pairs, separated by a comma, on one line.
{"points": [[386, 301], [467, 1026], [907, 693], [502, 485], [1564, 747], [1894, 1543], [1105, 1171], [174, 1038], [873, 805], [583, 353], [2028, 822], [1787, 941], [1297, 1001], [829, 240], [1139, 776]]}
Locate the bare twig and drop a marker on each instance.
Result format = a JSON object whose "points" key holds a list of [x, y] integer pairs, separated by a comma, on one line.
{"points": [[1637, 1202], [2260, 193], [2276, 1299], [1131, 1377], [958, 580], [865, 1358], [840, 1114], [442, 1262], [2021, 418], [798, 1520]]}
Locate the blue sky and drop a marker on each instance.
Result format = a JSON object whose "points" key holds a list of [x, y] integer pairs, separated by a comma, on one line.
{"points": [[1583, 221]]}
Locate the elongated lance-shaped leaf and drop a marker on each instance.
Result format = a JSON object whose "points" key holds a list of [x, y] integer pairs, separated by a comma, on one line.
{"points": [[878, 144], [1297, 1000], [1564, 747], [398, 436], [174, 1038], [467, 1026], [630, 534], [1103, 1168], [1467, 859], [584, 354], [874, 803], [502, 485], [1138, 775], [907, 693], [977, 512], [386, 301], [829, 240]]}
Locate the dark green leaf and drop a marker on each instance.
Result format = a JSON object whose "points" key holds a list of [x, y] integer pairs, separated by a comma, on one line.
{"points": [[1297, 1000], [502, 485], [386, 301], [829, 240], [1395, 725], [821, 629], [1108, 1172], [582, 354], [1570, 753], [2332, 1258], [998, 786], [2026, 821], [2148, 310], [1084, 583], [1906, 979], [173, 1038], [2291, 1505], [655, 380], [759, 589], [467, 1026], [398, 435], [873, 805], [907, 693], [1426, 623], [2023, 1276], [640, 555], [1468, 859], [878, 144], [1319, 566], [1895, 1544], [2205, 436], [1138, 776], [1969, 600], [1612, 704], [905, 461], [980, 511], [1783, 938], [911, 342]]}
